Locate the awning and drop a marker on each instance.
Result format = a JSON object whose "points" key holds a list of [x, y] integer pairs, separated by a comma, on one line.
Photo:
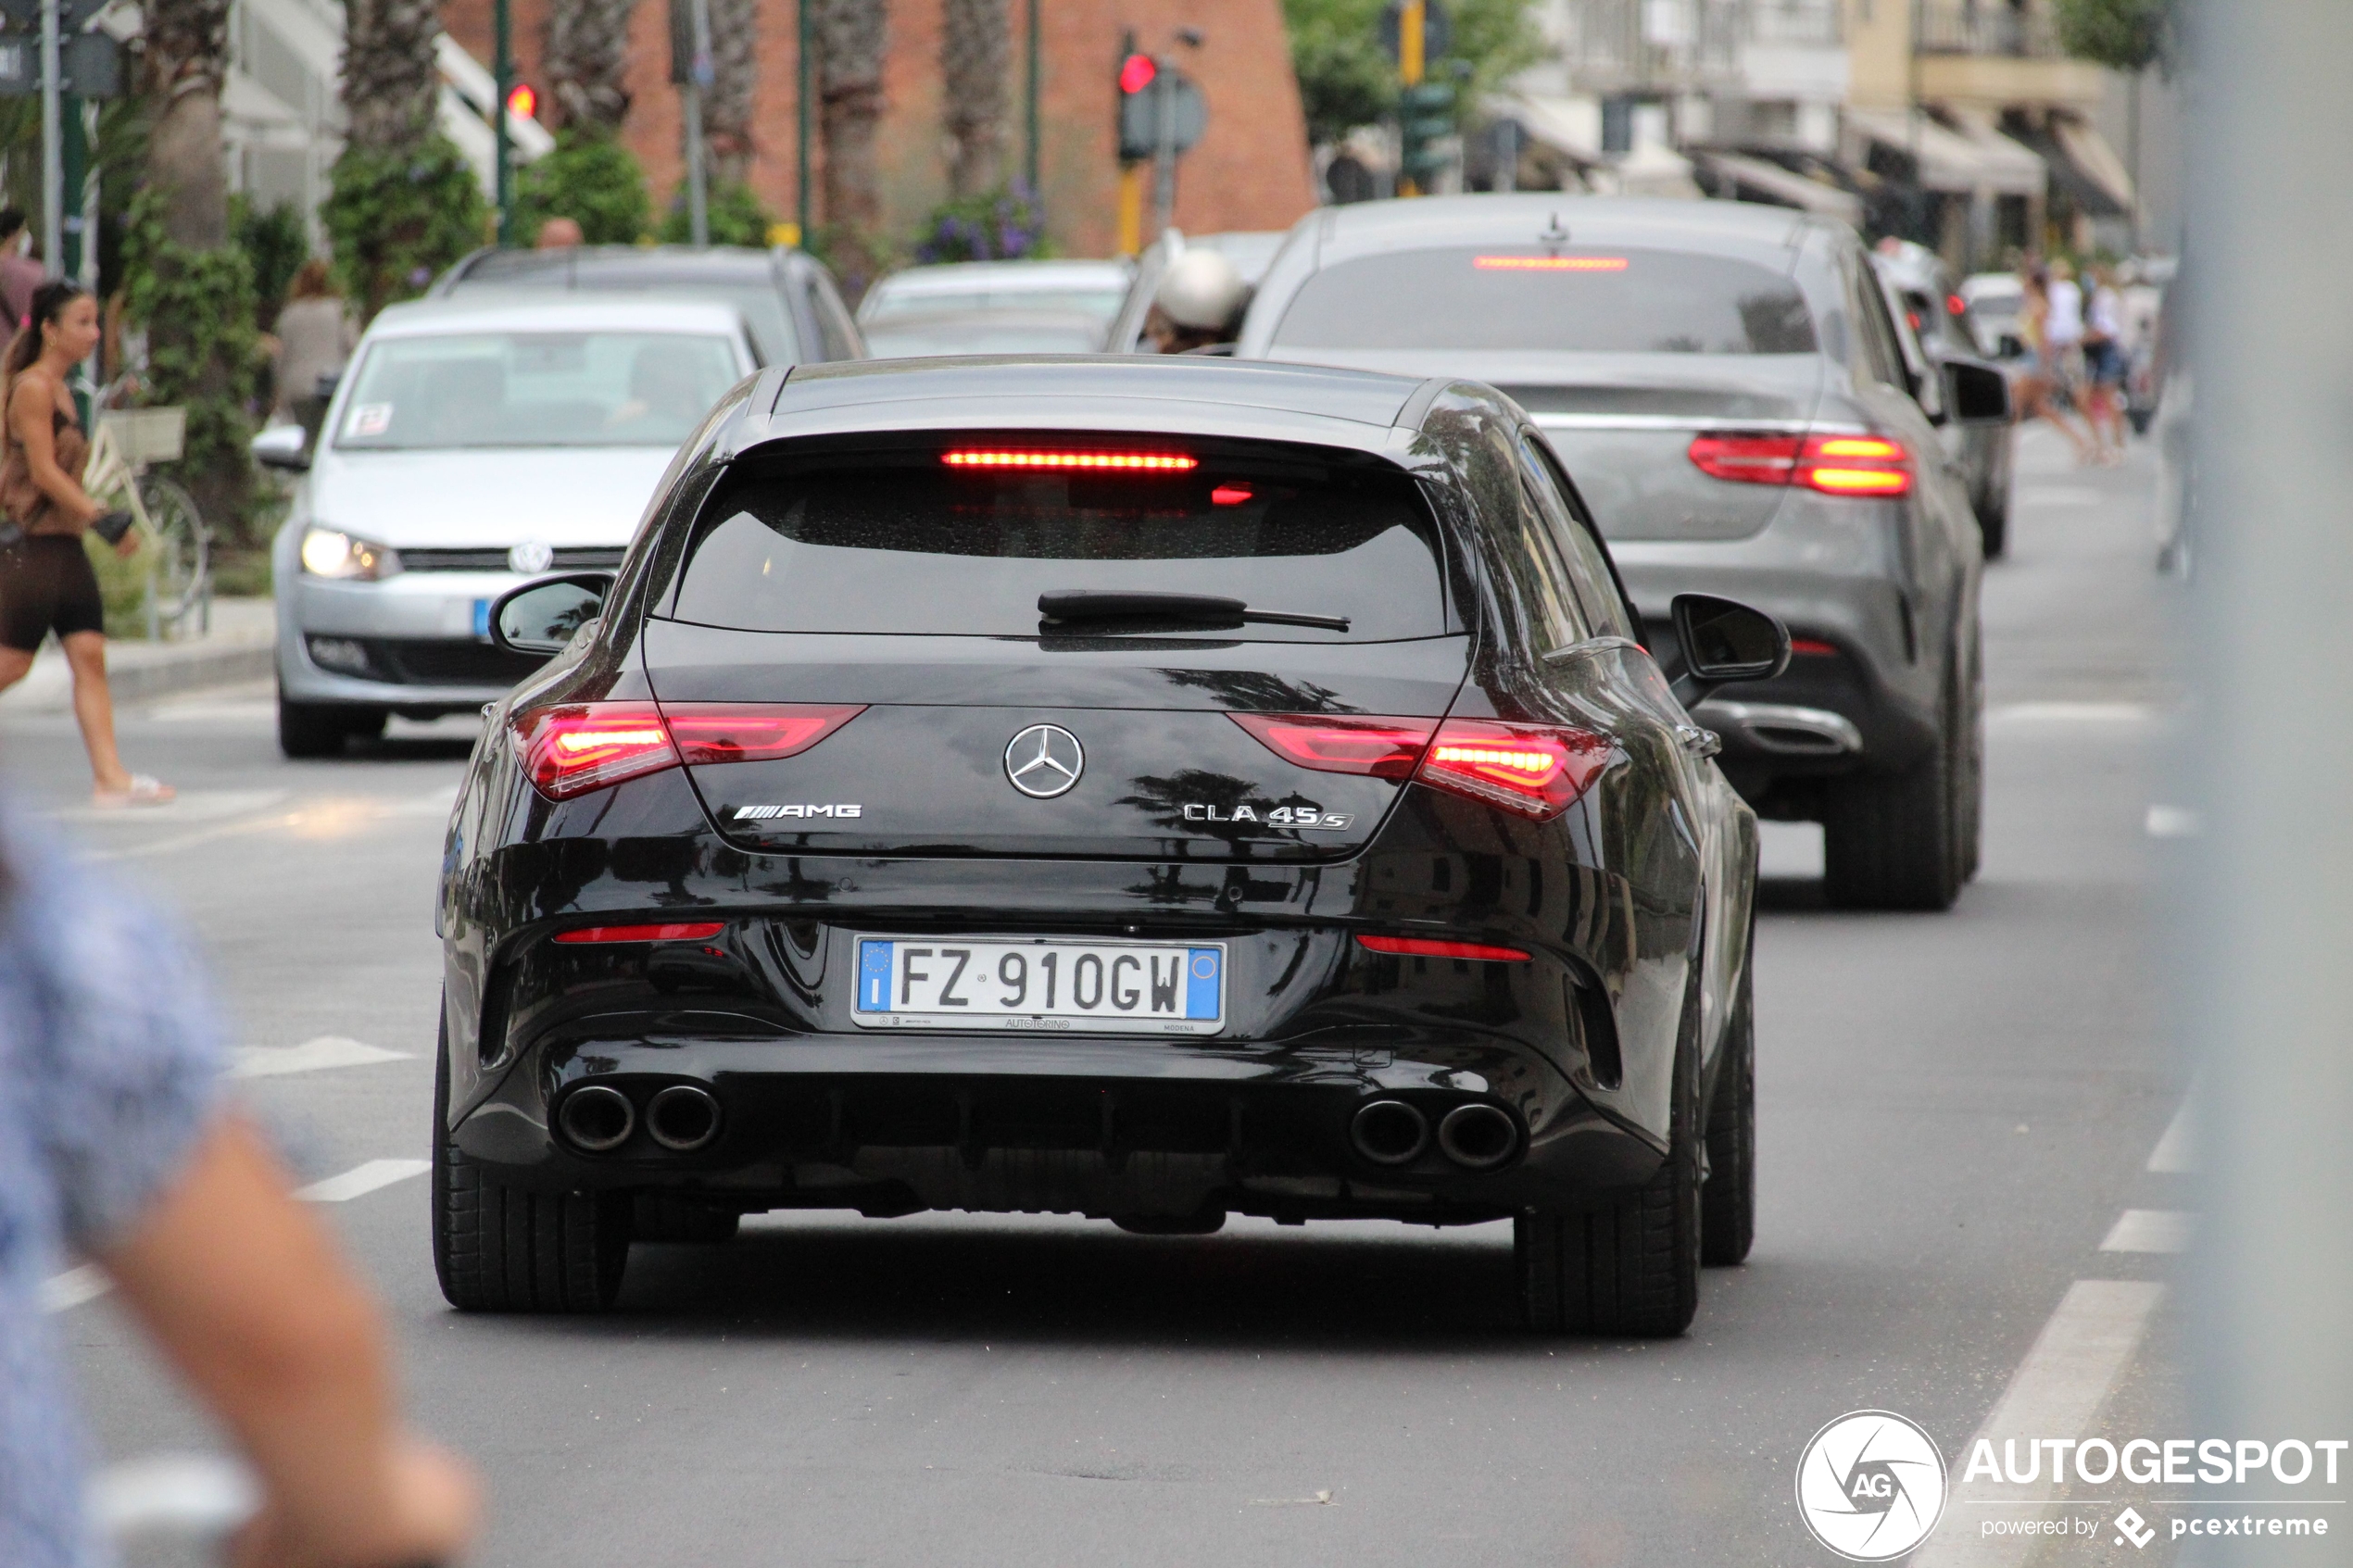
{"points": [[2086, 168], [1771, 182], [1972, 158]]}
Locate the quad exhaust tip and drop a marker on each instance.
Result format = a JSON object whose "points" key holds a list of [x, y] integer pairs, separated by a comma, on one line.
{"points": [[596, 1119], [1478, 1136], [683, 1117], [1389, 1132]]}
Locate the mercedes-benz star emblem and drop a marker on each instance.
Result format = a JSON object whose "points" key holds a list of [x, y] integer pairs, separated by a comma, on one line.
{"points": [[1044, 760], [531, 558]]}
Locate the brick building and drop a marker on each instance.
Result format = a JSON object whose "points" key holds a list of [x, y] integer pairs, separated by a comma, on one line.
{"points": [[1249, 170]]}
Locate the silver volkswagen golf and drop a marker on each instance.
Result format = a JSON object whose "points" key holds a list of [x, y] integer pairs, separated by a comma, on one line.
{"points": [[472, 444]]}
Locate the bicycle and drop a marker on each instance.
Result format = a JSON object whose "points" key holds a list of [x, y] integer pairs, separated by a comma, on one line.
{"points": [[179, 545]]}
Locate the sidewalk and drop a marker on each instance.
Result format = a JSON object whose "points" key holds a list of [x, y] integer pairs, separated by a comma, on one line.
{"points": [[239, 648]]}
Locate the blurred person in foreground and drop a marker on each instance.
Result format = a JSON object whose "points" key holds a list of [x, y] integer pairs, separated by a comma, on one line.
{"points": [[116, 1141], [1199, 306], [316, 334], [47, 583]]}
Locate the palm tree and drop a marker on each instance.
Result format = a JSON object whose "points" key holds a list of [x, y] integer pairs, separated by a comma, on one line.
{"points": [[727, 107], [390, 80], [587, 63], [852, 36], [187, 56], [405, 204], [974, 44]]}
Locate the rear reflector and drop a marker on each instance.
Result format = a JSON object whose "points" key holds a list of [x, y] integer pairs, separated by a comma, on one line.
{"points": [[1148, 462], [1535, 770], [1229, 495], [1385, 749], [695, 931], [1813, 647], [1550, 263], [1837, 465], [1954, 305], [753, 732], [572, 749], [1423, 948]]}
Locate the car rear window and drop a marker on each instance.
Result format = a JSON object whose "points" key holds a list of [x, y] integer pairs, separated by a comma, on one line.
{"points": [[914, 545], [1591, 301]]}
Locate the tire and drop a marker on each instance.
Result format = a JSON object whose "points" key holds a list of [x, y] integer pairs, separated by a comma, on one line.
{"points": [[1994, 522], [497, 1249], [1892, 841], [308, 729], [1630, 1267], [364, 723], [1727, 1199], [1968, 781]]}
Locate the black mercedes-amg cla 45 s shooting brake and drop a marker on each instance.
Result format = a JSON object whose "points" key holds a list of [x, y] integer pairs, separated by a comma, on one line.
{"points": [[1143, 789]]}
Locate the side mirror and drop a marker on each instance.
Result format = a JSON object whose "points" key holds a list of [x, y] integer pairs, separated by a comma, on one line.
{"points": [[1977, 392], [543, 617], [1724, 641], [281, 447]]}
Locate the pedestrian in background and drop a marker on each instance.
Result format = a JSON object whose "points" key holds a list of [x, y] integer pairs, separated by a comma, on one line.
{"points": [[1199, 304], [558, 233], [2104, 366], [316, 332], [46, 583], [20, 273], [115, 1142], [2035, 390]]}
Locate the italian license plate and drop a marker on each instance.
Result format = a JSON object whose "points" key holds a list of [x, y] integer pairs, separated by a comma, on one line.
{"points": [[1052, 986]]}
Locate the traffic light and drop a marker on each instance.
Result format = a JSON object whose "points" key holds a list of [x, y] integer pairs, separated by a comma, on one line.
{"points": [[1138, 105], [522, 100], [1425, 115]]}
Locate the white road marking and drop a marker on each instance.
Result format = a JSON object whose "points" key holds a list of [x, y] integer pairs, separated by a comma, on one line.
{"points": [[2149, 1229], [189, 806], [361, 1180], [2059, 495], [311, 1056], [2171, 821], [73, 1288], [2073, 714], [2055, 1392], [2176, 1152]]}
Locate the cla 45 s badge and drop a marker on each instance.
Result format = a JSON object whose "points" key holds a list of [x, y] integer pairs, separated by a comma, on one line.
{"points": [[1276, 816]]}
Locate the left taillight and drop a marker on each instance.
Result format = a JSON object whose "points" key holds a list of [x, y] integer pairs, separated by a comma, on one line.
{"points": [[1835, 465], [572, 748]]}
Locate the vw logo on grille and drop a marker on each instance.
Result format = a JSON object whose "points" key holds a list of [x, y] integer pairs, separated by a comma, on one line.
{"points": [[531, 558], [1044, 760]]}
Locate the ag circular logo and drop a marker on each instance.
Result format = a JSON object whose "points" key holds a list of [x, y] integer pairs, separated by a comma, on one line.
{"points": [[1044, 760], [1870, 1486], [531, 558]]}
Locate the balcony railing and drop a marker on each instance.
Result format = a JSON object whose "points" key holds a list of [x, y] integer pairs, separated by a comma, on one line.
{"points": [[1800, 23], [1982, 27]]}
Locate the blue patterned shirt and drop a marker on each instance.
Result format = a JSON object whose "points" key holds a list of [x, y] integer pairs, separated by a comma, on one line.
{"points": [[109, 1070]]}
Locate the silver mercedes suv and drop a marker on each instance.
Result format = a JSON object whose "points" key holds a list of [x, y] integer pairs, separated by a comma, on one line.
{"points": [[474, 443], [1726, 390]]}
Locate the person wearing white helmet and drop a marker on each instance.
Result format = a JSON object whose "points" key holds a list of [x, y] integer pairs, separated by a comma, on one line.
{"points": [[1198, 304]]}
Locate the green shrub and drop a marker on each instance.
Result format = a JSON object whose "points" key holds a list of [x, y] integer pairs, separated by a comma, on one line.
{"points": [[396, 221], [736, 217], [999, 225], [203, 355], [590, 179], [276, 244]]}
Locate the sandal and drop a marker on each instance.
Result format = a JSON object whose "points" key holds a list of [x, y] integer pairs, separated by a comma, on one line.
{"points": [[143, 791]]}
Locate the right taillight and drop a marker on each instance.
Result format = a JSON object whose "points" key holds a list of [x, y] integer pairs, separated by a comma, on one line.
{"points": [[572, 748], [1535, 770], [1385, 748], [1835, 465]]}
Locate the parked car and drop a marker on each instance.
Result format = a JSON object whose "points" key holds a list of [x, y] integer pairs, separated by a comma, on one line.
{"points": [[1725, 384], [1996, 300], [913, 333], [474, 443], [1927, 300], [1144, 789], [1251, 251], [973, 289], [786, 297]]}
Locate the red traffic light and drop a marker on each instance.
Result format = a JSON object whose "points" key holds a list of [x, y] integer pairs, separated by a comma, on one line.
{"points": [[522, 100], [1136, 73]]}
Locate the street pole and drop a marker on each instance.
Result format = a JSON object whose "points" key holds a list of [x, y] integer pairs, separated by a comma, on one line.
{"points": [[503, 74], [1411, 18], [1030, 155], [1163, 148], [698, 179], [2263, 983], [53, 174], [800, 147]]}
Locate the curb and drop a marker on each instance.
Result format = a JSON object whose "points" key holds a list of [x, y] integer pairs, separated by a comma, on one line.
{"points": [[200, 667]]}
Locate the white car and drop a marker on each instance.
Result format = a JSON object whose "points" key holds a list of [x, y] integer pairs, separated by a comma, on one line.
{"points": [[474, 443]]}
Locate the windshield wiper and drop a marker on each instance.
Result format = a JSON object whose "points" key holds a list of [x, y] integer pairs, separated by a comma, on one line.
{"points": [[1091, 603]]}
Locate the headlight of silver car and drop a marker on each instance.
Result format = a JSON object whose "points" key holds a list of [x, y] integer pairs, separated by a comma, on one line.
{"points": [[327, 553]]}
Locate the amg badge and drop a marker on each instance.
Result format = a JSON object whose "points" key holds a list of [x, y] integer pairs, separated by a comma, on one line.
{"points": [[762, 813]]}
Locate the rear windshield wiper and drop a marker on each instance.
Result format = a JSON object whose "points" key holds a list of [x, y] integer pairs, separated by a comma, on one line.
{"points": [[1089, 604]]}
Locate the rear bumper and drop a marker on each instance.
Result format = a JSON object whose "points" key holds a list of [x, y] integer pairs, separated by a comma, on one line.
{"points": [[1097, 1126]]}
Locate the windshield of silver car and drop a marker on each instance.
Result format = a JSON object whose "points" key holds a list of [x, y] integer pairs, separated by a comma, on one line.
{"points": [[533, 389]]}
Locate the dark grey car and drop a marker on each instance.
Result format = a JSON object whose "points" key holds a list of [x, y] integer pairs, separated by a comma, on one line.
{"points": [[1725, 387], [1926, 292]]}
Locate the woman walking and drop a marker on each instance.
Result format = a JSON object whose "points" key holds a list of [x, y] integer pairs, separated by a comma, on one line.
{"points": [[45, 581], [2035, 391]]}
